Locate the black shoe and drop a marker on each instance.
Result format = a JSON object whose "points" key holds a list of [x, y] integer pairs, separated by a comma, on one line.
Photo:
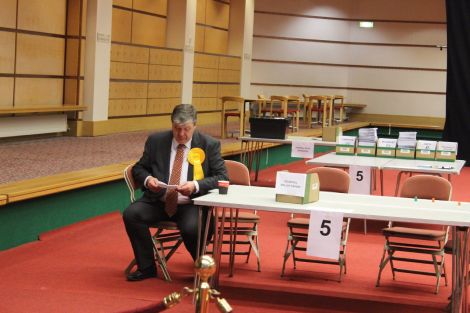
{"points": [[139, 275]]}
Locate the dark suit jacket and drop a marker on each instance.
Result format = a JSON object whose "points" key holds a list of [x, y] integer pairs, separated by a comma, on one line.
{"points": [[155, 162]]}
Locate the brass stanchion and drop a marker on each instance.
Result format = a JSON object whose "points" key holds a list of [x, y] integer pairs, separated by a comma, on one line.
{"points": [[205, 267]]}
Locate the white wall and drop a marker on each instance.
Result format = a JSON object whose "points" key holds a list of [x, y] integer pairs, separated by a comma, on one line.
{"points": [[316, 47]]}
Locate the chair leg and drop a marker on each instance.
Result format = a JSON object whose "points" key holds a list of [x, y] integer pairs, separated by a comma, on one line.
{"points": [[160, 258], [382, 264], [255, 250], [287, 253], [129, 267]]}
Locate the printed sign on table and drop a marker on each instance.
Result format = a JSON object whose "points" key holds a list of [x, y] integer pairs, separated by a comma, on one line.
{"points": [[302, 149], [360, 179], [324, 234]]}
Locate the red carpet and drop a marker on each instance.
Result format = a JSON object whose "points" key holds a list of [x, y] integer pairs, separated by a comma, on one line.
{"points": [[80, 269]]}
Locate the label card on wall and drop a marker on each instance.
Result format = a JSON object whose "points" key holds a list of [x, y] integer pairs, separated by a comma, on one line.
{"points": [[324, 234], [302, 149], [360, 179]]}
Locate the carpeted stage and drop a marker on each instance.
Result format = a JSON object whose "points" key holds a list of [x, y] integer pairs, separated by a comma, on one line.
{"points": [[80, 269]]}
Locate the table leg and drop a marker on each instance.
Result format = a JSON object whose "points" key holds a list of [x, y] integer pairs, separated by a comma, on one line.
{"points": [[381, 172], [242, 118]]}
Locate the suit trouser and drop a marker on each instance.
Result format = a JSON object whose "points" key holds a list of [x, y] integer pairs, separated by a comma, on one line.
{"points": [[142, 214]]}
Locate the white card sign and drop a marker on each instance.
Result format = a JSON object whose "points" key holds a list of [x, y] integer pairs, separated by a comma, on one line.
{"points": [[360, 178], [324, 234], [292, 184], [302, 149]]}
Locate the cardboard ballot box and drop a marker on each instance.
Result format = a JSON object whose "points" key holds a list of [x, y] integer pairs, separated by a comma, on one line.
{"points": [[446, 151], [331, 133], [426, 150], [346, 145], [366, 150], [386, 147], [405, 153], [297, 188]]}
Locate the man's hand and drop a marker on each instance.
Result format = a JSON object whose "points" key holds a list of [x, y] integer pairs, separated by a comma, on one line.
{"points": [[186, 189], [152, 184]]}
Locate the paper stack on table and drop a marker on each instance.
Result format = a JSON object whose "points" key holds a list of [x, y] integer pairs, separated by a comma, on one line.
{"points": [[406, 140], [367, 137]]}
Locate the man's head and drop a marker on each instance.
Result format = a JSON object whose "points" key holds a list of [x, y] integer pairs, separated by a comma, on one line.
{"points": [[183, 120]]}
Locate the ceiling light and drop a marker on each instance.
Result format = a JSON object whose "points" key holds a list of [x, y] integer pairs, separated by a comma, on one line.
{"points": [[366, 24]]}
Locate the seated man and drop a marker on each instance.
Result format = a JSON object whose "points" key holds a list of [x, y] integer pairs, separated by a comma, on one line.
{"points": [[181, 156]]}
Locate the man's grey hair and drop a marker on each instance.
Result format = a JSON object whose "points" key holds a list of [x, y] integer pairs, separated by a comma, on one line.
{"points": [[183, 113]]}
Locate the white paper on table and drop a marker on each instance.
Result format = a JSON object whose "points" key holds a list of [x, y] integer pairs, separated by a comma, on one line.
{"points": [[426, 145], [324, 234], [292, 184], [302, 149], [386, 143], [166, 186], [347, 140], [360, 178], [447, 146]]}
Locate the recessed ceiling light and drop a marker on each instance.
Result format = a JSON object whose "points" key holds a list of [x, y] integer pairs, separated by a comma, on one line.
{"points": [[366, 24]]}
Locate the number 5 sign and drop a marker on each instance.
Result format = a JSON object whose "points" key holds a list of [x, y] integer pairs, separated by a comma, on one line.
{"points": [[359, 179], [324, 234]]}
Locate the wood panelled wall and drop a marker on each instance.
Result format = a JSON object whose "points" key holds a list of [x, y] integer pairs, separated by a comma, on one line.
{"points": [[145, 76], [34, 38], [317, 47], [216, 73]]}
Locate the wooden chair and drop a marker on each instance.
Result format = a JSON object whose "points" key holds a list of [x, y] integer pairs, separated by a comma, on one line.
{"points": [[410, 241], [331, 179], [262, 102], [285, 106], [240, 223], [323, 106], [167, 237], [232, 113], [338, 104]]}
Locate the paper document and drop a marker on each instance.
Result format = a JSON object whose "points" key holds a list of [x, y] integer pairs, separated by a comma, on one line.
{"points": [[166, 186]]}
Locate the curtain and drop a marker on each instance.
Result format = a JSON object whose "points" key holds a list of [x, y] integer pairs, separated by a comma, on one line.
{"points": [[457, 125]]}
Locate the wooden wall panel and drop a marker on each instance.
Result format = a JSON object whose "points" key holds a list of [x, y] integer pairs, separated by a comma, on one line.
{"points": [[125, 53], [42, 15], [228, 90], [165, 72], [71, 64], [200, 37], [127, 107], [230, 63], [204, 90], [151, 6], [38, 92], [201, 12], [70, 91], [82, 60], [8, 13], [166, 57], [206, 61], [205, 104], [6, 92], [123, 3], [215, 41], [120, 70], [121, 28], [164, 90], [73, 17], [228, 76], [162, 106], [217, 14], [40, 55], [148, 30], [127, 90], [7, 52], [205, 75]]}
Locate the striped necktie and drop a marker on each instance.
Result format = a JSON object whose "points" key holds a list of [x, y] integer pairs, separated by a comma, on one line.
{"points": [[171, 201]]}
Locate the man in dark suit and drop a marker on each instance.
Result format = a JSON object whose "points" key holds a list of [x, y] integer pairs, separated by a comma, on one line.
{"points": [[174, 157]]}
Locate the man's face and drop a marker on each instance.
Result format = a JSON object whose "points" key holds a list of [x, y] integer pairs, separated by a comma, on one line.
{"points": [[183, 132]]}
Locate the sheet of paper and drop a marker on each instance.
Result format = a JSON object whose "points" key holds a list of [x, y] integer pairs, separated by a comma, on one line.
{"points": [[292, 184], [426, 145], [324, 234], [360, 179], [387, 143], [166, 186], [447, 146], [302, 149], [347, 140]]}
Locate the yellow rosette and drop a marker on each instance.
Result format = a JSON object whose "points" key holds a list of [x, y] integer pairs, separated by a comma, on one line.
{"points": [[195, 157]]}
